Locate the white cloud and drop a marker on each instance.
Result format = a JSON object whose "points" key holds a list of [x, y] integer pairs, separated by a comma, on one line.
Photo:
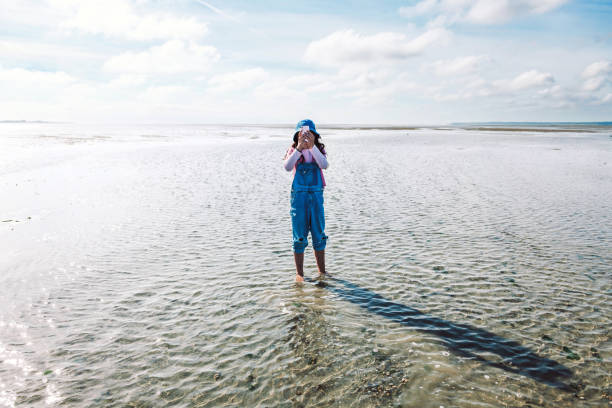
{"points": [[347, 46], [166, 94], [276, 91], [128, 81], [172, 57], [542, 6], [18, 49], [596, 76], [383, 94], [355, 83], [24, 84], [117, 18], [313, 83], [235, 81], [597, 68], [529, 79], [33, 94], [554, 91], [480, 11], [422, 7], [34, 78], [520, 86], [457, 66], [594, 84], [488, 12]]}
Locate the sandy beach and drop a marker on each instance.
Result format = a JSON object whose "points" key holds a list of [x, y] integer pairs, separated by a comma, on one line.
{"points": [[151, 266]]}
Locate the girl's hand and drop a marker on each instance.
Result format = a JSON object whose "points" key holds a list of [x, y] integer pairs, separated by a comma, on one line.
{"points": [[304, 141], [311, 142]]}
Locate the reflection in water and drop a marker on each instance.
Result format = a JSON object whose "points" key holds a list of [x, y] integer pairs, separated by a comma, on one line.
{"points": [[307, 328], [312, 340], [325, 370], [462, 339]]}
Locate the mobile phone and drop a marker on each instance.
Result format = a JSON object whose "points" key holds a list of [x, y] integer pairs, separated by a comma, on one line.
{"points": [[305, 129]]}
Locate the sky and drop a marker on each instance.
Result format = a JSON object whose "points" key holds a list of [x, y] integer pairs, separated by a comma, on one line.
{"points": [[275, 61]]}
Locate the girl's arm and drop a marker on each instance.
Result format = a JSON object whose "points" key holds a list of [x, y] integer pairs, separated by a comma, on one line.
{"points": [[319, 157], [291, 159]]}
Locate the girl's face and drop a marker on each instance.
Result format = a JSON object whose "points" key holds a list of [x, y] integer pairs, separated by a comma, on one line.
{"points": [[311, 136]]}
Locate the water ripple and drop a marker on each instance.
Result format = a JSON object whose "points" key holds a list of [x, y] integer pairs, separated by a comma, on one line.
{"points": [[470, 270]]}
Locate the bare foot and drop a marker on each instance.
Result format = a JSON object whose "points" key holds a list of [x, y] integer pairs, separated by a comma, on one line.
{"points": [[299, 278], [324, 275]]}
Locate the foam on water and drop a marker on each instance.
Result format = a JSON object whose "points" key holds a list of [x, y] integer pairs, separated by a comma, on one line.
{"points": [[151, 265]]}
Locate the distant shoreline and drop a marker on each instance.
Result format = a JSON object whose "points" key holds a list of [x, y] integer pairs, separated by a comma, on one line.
{"points": [[478, 126], [29, 121], [531, 123]]}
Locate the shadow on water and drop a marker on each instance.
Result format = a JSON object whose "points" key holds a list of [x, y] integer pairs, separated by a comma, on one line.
{"points": [[461, 339]]}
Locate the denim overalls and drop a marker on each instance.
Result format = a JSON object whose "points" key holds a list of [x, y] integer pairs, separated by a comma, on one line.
{"points": [[307, 207]]}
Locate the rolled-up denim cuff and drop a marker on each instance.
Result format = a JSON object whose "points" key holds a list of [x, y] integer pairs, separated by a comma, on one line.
{"points": [[319, 246], [299, 245]]}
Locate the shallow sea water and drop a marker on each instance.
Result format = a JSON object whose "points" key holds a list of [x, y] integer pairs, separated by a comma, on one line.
{"points": [[151, 266]]}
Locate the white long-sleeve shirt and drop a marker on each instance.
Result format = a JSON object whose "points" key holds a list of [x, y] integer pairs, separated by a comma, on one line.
{"points": [[309, 155], [293, 155]]}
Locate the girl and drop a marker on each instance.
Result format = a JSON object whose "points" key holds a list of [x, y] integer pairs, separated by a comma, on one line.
{"points": [[306, 157]]}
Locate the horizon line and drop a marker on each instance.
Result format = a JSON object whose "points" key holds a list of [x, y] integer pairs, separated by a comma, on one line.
{"points": [[331, 124]]}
